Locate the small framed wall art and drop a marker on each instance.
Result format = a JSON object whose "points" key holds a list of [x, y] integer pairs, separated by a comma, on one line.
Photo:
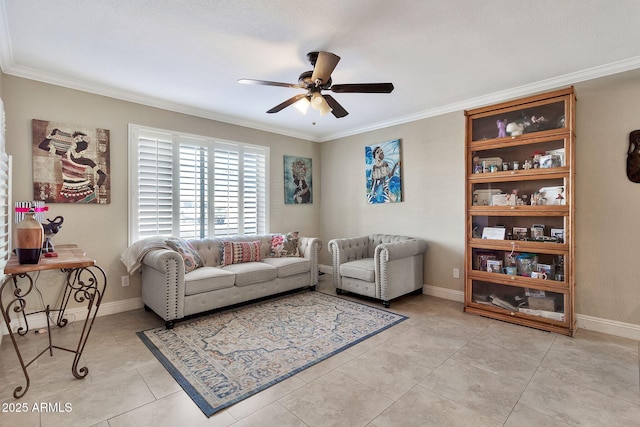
{"points": [[298, 180]]}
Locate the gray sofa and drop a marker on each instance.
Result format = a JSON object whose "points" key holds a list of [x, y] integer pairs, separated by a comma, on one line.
{"points": [[173, 294], [380, 266]]}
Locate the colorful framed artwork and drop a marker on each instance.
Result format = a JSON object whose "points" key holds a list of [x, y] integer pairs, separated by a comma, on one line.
{"points": [[298, 180], [384, 183], [70, 163]]}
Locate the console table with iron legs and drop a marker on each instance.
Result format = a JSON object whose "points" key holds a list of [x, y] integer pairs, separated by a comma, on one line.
{"points": [[84, 283]]}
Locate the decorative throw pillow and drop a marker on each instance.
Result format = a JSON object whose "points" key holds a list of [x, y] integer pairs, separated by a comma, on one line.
{"points": [[190, 255], [285, 245], [237, 252]]}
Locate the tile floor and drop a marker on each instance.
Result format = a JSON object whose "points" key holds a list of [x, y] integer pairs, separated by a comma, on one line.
{"points": [[439, 367]]}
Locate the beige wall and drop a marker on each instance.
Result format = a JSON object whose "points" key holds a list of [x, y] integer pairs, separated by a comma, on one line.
{"points": [[102, 230], [433, 178], [432, 156], [607, 203]]}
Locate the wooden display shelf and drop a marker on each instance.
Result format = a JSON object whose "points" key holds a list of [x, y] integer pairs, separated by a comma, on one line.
{"points": [[547, 122]]}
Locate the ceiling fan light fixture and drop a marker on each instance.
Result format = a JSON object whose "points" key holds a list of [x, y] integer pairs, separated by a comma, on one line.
{"points": [[303, 105], [319, 103], [316, 100], [324, 107]]}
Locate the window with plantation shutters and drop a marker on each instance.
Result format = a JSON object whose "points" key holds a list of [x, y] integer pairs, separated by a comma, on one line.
{"points": [[5, 209], [5, 196], [192, 187]]}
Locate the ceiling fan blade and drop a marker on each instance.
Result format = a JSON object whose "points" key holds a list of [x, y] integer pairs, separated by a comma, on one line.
{"points": [[363, 88], [286, 103], [336, 109], [268, 83], [325, 64]]}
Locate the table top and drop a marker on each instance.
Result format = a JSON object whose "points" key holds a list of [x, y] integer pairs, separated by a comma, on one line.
{"points": [[69, 256]]}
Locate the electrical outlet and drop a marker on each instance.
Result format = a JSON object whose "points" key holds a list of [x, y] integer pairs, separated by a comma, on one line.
{"points": [[125, 281], [456, 273]]}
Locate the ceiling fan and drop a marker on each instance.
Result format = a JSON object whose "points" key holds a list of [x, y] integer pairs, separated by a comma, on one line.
{"points": [[317, 80]]}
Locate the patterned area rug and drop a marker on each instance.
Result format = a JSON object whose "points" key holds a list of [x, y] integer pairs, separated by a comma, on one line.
{"points": [[226, 357]]}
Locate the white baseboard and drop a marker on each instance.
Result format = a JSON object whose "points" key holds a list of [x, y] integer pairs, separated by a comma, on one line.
{"points": [[612, 327], [38, 321], [443, 293]]}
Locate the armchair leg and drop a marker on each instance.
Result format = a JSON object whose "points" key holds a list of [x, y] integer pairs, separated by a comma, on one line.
{"points": [[386, 304], [338, 291], [169, 324]]}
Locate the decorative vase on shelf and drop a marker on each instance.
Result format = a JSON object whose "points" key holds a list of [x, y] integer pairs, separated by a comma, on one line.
{"points": [[29, 239]]}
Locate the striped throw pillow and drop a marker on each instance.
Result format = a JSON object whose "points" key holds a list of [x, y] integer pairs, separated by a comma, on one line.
{"points": [[238, 252]]}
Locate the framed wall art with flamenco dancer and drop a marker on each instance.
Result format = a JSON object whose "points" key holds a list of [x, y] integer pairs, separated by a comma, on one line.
{"points": [[70, 163]]}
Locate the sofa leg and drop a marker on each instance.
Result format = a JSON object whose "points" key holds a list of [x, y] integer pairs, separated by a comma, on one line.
{"points": [[169, 324], [386, 304], [313, 288], [338, 291], [146, 308]]}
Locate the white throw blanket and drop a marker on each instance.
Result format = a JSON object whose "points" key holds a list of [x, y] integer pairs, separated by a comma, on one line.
{"points": [[133, 255]]}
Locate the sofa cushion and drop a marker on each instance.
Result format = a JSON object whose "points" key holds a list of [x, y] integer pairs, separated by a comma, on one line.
{"points": [[207, 279], [252, 272], [289, 266], [239, 252], [286, 245], [363, 269], [190, 255]]}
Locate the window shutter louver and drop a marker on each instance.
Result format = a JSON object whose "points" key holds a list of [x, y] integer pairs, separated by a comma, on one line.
{"points": [[155, 190], [226, 192], [193, 192], [253, 189]]}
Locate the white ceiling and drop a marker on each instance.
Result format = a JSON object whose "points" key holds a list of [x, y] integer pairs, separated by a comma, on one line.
{"points": [[441, 55]]}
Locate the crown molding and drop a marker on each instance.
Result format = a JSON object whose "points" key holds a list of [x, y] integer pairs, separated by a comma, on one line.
{"points": [[103, 90], [501, 96]]}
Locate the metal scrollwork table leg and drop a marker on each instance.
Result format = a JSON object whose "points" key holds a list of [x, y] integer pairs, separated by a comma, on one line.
{"points": [[84, 284]]}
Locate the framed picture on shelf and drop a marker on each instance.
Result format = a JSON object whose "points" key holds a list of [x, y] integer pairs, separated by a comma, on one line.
{"points": [[480, 259], [494, 266], [493, 233], [519, 233], [558, 233]]}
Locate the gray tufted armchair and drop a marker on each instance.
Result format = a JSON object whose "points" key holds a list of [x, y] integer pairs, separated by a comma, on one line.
{"points": [[379, 266]]}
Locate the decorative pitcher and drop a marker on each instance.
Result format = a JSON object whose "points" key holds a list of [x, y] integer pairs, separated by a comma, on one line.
{"points": [[29, 239]]}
